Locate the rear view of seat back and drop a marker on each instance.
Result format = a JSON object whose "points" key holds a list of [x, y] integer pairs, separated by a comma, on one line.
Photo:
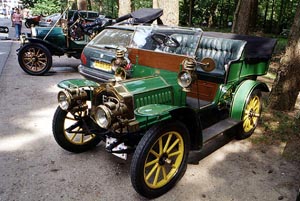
{"points": [[221, 50]]}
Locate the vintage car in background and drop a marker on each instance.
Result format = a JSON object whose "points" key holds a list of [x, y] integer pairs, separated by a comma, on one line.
{"points": [[49, 21], [32, 20], [88, 15], [167, 99], [38, 47]]}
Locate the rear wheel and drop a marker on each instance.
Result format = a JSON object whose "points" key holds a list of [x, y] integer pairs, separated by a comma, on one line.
{"points": [[27, 24], [70, 131], [160, 159], [251, 114], [35, 59]]}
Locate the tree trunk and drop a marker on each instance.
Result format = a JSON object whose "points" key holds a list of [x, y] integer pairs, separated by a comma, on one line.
{"points": [[212, 14], [221, 19], [272, 16], [191, 9], [171, 11], [286, 86], [82, 5], [245, 16], [235, 16], [124, 7], [266, 13], [280, 17], [253, 15]]}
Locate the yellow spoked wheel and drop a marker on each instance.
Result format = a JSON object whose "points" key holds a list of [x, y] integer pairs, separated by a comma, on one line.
{"points": [[35, 59], [251, 114], [74, 131], [160, 159], [71, 132], [163, 160]]}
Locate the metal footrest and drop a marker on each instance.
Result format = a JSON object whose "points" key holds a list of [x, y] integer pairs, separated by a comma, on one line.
{"points": [[218, 128]]}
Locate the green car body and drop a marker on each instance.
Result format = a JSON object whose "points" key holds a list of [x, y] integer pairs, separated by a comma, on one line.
{"points": [[171, 104]]}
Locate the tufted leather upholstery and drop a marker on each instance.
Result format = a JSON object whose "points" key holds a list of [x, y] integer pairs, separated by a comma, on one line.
{"points": [[221, 50], [187, 44]]}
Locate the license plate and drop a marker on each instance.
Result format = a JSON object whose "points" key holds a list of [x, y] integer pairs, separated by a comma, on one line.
{"points": [[122, 146], [101, 65]]}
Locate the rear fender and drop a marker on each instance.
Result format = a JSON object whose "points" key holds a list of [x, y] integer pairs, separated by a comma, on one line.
{"points": [[241, 95]]}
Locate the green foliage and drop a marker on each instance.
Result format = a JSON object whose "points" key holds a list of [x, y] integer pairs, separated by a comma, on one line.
{"points": [[29, 3], [216, 14], [271, 18], [219, 12], [141, 4], [46, 7], [109, 8], [281, 45]]}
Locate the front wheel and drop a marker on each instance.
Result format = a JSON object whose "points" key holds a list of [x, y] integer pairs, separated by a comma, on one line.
{"points": [[70, 131], [160, 159], [251, 114], [35, 59]]}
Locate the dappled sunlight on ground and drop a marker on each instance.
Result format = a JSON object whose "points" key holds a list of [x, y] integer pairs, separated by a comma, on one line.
{"points": [[30, 128]]}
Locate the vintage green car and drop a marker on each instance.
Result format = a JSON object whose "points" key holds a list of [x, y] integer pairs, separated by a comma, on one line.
{"points": [[70, 37], [173, 103]]}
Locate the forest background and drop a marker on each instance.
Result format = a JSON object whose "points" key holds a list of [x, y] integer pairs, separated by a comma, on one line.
{"points": [[270, 16]]}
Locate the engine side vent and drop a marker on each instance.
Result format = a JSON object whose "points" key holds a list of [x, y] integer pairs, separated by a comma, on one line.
{"points": [[158, 96]]}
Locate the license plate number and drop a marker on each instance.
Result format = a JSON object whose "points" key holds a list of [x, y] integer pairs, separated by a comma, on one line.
{"points": [[101, 65]]}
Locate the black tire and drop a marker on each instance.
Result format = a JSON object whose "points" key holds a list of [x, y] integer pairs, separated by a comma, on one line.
{"points": [[35, 59], [73, 142], [170, 168], [27, 24], [251, 115]]}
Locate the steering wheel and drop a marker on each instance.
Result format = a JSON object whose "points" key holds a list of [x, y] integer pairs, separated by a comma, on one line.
{"points": [[165, 40]]}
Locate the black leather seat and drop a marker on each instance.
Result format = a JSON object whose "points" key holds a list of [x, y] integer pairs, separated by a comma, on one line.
{"points": [[222, 51]]}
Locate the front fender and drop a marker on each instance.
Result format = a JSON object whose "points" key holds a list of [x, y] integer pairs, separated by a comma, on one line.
{"points": [[76, 83], [241, 95], [191, 120], [54, 49], [185, 115]]}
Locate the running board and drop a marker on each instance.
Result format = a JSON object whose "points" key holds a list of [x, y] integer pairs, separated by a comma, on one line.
{"points": [[218, 128]]}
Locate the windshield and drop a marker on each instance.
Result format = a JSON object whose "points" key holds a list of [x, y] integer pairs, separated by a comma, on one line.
{"points": [[176, 41], [112, 38]]}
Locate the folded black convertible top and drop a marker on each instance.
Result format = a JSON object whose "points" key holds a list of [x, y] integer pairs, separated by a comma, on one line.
{"points": [[257, 48], [143, 15], [146, 15]]}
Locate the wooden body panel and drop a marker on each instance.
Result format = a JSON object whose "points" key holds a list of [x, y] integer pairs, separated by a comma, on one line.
{"points": [[206, 90], [160, 60]]}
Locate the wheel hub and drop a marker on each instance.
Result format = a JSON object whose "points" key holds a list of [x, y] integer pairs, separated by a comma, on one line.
{"points": [[251, 113], [164, 159], [34, 59]]}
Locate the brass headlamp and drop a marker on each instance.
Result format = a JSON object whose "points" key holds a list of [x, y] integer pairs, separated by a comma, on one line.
{"points": [[187, 76], [67, 98]]}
